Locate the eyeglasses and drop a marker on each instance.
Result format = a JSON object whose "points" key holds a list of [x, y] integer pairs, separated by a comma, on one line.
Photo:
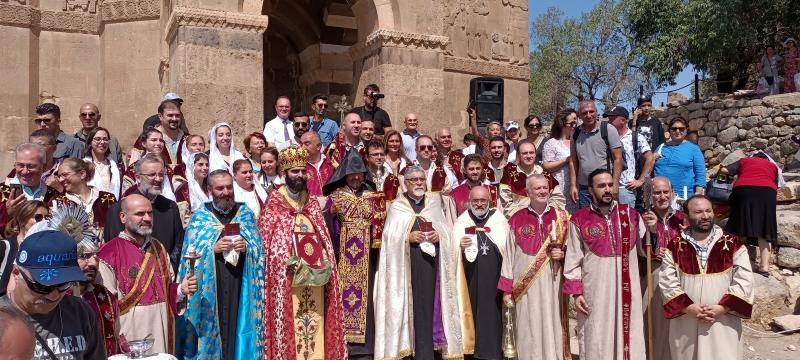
{"points": [[426, 147], [39, 217], [153, 175], [30, 167], [44, 289], [42, 121], [301, 124], [98, 139], [677, 129], [416, 180], [89, 115]]}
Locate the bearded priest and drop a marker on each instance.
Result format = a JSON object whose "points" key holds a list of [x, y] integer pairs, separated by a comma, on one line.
{"points": [[303, 305], [482, 230], [416, 280], [225, 317]]}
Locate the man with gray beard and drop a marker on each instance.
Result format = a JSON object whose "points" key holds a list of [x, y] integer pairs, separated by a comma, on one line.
{"points": [[481, 231], [167, 225], [418, 270], [135, 268]]}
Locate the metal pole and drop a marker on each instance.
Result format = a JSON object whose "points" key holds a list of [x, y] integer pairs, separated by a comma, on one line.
{"points": [[696, 87]]}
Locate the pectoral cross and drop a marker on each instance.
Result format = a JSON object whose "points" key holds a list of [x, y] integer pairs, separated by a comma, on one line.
{"points": [[485, 248]]}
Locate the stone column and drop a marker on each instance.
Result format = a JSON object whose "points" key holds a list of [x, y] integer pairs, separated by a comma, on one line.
{"points": [[215, 64], [409, 69]]}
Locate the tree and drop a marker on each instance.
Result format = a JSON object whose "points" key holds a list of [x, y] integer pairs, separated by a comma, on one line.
{"points": [[723, 37], [594, 57]]}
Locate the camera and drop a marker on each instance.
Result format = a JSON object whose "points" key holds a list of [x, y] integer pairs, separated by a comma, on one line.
{"points": [[377, 95]]}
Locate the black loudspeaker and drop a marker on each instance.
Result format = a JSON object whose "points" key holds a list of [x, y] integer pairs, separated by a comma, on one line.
{"points": [[486, 97]]}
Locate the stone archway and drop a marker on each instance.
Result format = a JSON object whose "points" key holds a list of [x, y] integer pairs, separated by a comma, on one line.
{"points": [[306, 52]]}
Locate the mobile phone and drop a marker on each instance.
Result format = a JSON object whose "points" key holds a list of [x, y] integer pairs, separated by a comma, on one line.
{"points": [[425, 226], [16, 190]]}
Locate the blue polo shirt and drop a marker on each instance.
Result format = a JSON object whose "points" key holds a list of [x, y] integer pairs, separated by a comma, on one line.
{"points": [[326, 129]]}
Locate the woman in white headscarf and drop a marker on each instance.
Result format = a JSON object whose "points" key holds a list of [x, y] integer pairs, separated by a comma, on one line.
{"points": [[222, 153], [192, 195], [245, 189]]}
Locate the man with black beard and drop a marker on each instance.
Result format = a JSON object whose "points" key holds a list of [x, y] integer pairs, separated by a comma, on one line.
{"points": [[224, 234], [135, 268], [167, 225], [707, 282], [303, 300], [417, 272], [482, 232]]}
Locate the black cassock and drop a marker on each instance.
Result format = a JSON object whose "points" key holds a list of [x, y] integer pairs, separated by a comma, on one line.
{"points": [[484, 297], [424, 269], [229, 289]]}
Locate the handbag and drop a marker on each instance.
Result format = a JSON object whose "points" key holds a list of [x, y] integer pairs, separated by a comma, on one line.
{"points": [[719, 188]]}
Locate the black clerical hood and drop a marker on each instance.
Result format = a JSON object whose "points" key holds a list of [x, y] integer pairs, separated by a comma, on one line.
{"points": [[353, 164]]}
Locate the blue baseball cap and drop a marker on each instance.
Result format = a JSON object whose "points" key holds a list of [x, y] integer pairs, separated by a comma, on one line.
{"points": [[51, 257]]}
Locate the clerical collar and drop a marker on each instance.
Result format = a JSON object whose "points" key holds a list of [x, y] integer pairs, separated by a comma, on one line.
{"points": [[295, 196], [220, 211], [415, 202]]}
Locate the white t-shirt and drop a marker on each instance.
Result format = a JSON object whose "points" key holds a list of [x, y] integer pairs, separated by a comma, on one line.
{"points": [[629, 174]]}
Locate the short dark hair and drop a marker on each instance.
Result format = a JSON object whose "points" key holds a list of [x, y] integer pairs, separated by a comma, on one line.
{"points": [[51, 140], [472, 158], [270, 150], [215, 173], [300, 114], [146, 134], [694, 198], [597, 172], [241, 162], [469, 137], [87, 150], [530, 118], [497, 138], [48, 108], [678, 119], [318, 97], [372, 87], [375, 144], [163, 105]]}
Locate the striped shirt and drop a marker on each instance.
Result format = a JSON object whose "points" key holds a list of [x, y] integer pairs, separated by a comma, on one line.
{"points": [[702, 251]]}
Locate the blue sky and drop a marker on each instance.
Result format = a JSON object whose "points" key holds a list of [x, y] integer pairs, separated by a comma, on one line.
{"points": [[574, 8]]}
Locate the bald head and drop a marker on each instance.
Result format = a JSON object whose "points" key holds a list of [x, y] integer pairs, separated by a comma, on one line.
{"points": [[479, 192], [480, 201], [661, 181], [132, 201], [538, 190], [90, 117], [661, 195], [137, 216]]}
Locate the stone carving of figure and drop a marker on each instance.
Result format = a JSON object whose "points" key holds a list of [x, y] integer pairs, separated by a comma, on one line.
{"points": [[80, 5]]}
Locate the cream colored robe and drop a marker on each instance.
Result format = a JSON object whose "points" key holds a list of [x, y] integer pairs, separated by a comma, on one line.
{"points": [[394, 317], [691, 339], [600, 334]]}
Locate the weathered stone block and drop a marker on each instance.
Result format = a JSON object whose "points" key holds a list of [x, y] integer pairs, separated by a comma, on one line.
{"points": [[778, 121], [759, 143], [694, 106], [742, 134], [696, 124], [750, 122], [789, 228], [728, 135], [710, 128], [726, 122], [706, 143], [789, 100], [756, 102], [789, 257], [715, 115], [793, 120], [769, 131], [785, 130], [730, 112], [759, 111]]}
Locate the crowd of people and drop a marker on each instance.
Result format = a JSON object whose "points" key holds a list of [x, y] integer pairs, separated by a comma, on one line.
{"points": [[779, 73], [357, 239]]}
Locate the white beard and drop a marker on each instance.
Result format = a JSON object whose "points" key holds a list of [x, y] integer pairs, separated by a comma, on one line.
{"points": [[418, 192]]}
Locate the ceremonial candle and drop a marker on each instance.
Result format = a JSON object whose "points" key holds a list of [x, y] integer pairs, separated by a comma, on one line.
{"points": [[685, 193], [553, 231]]}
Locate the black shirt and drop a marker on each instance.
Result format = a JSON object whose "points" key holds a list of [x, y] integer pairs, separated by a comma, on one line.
{"points": [[653, 131], [70, 331], [379, 116], [8, 251]]}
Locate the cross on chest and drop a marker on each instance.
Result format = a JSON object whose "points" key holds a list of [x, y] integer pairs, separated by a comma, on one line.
{"points": [[484, 248]]}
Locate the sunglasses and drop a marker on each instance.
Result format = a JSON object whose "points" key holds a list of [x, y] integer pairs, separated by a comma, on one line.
{"points": [[532, 126], [677, 129], [324, 106], [301, 124], [426, 147], [89, 115], [39, 217], [44, 289]]}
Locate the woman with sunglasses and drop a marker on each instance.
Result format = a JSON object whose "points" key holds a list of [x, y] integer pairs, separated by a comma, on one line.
{"points": [[108, 173], [22, 218], [681, 161], [395, 155], [533, 124], [74, 175], [556, 151]]}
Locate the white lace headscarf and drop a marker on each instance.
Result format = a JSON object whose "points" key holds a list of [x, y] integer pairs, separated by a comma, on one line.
{"points": [[197, 193], [215, 161]]}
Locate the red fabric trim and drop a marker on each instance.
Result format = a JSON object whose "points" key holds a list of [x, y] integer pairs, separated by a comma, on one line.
{"points": [[572, 287], [674, 307], [454, 159], [737, 306], [505, 285]]}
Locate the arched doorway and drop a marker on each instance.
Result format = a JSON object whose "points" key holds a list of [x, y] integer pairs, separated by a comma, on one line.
{"points": [[306, 52]]}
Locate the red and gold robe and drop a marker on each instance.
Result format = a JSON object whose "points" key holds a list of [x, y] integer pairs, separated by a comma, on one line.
{"points": [[460, 195], [454, 159], [289, 326], [726, 279], [337, 150], [318, 179], [50, 195], [105, 306]]}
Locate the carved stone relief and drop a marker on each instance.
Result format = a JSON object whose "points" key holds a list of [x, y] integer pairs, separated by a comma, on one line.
{"points": [[21, 2], [89, 6], [487, 30]]}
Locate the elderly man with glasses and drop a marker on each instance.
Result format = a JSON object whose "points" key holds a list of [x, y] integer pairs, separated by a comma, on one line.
{"points": [[27, 183], [65, 326]]}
